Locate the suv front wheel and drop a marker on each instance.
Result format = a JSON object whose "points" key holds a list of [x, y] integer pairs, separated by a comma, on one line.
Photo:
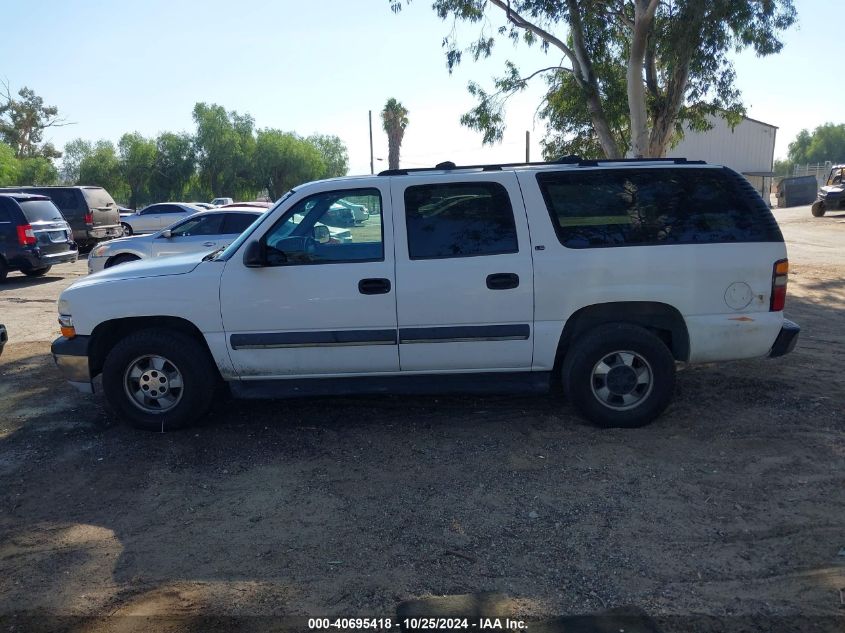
{"points": [[159, 379], [619, 375]]}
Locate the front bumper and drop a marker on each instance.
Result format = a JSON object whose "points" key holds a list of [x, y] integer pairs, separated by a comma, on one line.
{"points": [[71, 356], [786, 340]]}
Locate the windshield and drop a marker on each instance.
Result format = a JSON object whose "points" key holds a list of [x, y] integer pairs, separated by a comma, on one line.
{"points": [[835, 177], [230, 250], [40, 211]]}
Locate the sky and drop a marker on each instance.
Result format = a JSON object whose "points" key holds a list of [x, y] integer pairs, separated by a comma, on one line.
{"points": [[320, 66]]}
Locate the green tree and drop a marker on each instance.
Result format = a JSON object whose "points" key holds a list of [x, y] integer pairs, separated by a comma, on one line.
{"points": [[826, 143], [334, 153], [137, 157], [173, 167], [75, 151], [673, 56], [102, 168], [225, 143], [394, 119], [283, 160], [9, 166], [37, 170], [23, 119]]}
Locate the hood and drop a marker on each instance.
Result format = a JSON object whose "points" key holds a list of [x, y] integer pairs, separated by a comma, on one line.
{"points": [[152, 267], [828, 189]]}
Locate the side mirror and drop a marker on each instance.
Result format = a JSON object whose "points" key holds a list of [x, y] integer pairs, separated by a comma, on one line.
{"points": [[166, 234], [254, 255], [322, 235]]}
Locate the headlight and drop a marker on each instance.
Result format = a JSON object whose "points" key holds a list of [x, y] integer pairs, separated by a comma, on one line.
{"points": [[66, 325], [99, 251]]}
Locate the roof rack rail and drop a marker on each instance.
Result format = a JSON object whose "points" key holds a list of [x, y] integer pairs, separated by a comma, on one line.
{"points": [[563, 160]]}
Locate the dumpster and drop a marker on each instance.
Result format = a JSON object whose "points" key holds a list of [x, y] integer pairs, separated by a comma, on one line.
{"points": [[793, 192]]}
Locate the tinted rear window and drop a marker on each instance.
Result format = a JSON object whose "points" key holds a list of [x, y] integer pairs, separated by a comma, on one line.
{"points": [[98, 198], [459, 220], [65, 199], [40, 210], [635, 207]]}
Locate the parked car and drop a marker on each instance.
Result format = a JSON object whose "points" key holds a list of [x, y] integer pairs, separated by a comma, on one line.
{"points": [[202, 232], [91, 212], [219, 202], [202, 205], [257, 204], [33, 235], [156, 217], [831, 196], [594, 275], [4, 338], [344, 213]]}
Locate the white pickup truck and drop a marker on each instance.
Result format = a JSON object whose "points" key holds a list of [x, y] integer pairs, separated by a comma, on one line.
{"points": [[597, 276]]}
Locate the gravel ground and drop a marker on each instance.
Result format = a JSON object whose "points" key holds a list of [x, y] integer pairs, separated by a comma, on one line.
{"points": [[731, 505]]}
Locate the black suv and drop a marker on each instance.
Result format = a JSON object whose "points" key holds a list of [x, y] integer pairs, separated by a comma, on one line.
{"points": [[33, 235], [91, 212]]}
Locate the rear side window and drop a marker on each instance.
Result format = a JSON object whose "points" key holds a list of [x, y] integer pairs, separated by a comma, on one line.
{"points": [[98, 198], [459, 220], [40, 211], [237, 222], [637, 207], [5, 212], [66, 199]]}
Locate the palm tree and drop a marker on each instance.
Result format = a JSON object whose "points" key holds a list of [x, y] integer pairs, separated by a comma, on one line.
{"points": [[394, 119]]}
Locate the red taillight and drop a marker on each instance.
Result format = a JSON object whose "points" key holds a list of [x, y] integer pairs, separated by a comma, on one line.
{"points": [[88, 218], [780, 276], [26, 236]]}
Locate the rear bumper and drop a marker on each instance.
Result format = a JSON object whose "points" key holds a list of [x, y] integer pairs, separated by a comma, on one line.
{"points": [[98, 233], [35, 258], [786, 340], [71, 356]]}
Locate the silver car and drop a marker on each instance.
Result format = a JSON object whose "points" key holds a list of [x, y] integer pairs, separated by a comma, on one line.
{"points": [[201, 232], [156, 216]]}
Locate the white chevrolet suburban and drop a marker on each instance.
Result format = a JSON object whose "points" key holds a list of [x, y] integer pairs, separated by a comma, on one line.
{"points": [[597, 276]]}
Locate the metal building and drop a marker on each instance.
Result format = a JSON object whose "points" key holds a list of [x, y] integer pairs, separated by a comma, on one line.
{"points": [[749, 148]]}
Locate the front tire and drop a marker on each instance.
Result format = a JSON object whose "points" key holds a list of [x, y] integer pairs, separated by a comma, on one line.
{"points": [[120, 259], [127, 230], [619, 375], [159, 379], [37, 272], [818, 209]]}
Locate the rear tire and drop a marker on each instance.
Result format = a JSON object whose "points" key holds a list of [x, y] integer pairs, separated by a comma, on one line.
{"points": [[619, 375], [159, 379], [817, 209], [120, 259], [4, 270], [37, 272]]}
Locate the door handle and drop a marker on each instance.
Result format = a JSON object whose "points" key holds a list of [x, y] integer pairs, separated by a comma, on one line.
{"points": [[502, 281], [209, 243], [376, 286]]}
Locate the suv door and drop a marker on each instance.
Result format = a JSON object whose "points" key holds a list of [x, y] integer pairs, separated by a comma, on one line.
{"points": [[320, 306], [464, 273]]}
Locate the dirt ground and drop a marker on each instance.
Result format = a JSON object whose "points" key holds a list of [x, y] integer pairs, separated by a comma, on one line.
{"points": [[731, 505]]}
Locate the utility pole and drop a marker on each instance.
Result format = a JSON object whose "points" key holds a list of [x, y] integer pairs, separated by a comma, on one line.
{"points": [[527, 146], [372, 170]]}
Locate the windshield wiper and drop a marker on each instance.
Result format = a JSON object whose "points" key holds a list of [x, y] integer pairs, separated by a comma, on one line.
{"points": [[213, 254]]}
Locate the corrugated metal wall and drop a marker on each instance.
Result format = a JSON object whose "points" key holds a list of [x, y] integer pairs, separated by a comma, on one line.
{"points": [[748, 147]]}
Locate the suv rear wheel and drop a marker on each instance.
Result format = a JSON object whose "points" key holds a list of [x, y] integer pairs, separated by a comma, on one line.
{"points": [[619, 375], [4, 270], [159, 379], [37, 272]]}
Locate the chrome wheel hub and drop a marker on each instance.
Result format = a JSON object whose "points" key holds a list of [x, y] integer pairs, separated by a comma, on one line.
{"points": [[621, 380], [153, 384]]}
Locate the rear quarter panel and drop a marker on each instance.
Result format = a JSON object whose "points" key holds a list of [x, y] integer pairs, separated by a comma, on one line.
{"points": [[699, 280]]}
